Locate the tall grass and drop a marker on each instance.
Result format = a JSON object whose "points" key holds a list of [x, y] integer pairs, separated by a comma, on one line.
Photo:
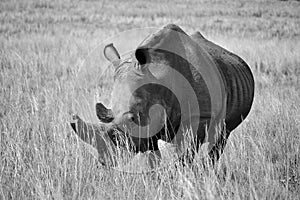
{"points": [[42, 44]]}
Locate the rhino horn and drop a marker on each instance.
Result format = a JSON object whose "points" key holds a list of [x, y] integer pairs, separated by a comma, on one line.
{"points": [[96, 135]]}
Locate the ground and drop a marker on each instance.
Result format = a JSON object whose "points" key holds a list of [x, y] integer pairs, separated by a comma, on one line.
{"points": [[42, 46]]}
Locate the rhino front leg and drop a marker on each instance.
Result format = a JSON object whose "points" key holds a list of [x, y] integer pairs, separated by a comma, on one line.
{"points": [[95, 135]]}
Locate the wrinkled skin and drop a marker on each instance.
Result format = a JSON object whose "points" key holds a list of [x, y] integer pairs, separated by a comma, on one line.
{"points": [[150, 101]]}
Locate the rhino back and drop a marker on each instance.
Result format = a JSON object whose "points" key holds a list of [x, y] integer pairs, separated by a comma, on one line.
{"points": [[237, 78]]}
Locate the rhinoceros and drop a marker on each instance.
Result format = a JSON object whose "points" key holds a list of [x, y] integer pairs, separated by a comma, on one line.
{"points": [[170, 82]]}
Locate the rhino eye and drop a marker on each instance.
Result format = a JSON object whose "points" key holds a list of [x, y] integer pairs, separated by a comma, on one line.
{"points": [[132, 118]]}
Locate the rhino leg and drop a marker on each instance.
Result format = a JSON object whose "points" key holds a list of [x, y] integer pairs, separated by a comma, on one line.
{"points": [[150, 160], [141, 162], [217, 150]]}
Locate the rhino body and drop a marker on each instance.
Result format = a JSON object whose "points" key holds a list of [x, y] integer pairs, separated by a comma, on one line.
{"points": [[151, 96], [239, 87]]}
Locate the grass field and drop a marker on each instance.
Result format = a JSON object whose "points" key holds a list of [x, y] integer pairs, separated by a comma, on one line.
{"points": [[42, 44]]}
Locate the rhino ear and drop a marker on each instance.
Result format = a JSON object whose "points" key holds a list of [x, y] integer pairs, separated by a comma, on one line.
{"points": [[156, 46], [142, 55], [111, 54]]}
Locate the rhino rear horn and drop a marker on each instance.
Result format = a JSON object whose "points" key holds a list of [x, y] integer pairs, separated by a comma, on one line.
{"points": [[105, 115]]}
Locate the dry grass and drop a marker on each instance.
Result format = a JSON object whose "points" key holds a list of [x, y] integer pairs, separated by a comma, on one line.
{"points": [[42, 43]]}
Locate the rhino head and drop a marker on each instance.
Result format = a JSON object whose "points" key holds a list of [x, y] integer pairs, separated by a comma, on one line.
{"points": [[143, 108]]}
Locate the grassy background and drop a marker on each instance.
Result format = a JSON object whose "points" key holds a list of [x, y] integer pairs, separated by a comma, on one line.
{"points": [[42, 43]]}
